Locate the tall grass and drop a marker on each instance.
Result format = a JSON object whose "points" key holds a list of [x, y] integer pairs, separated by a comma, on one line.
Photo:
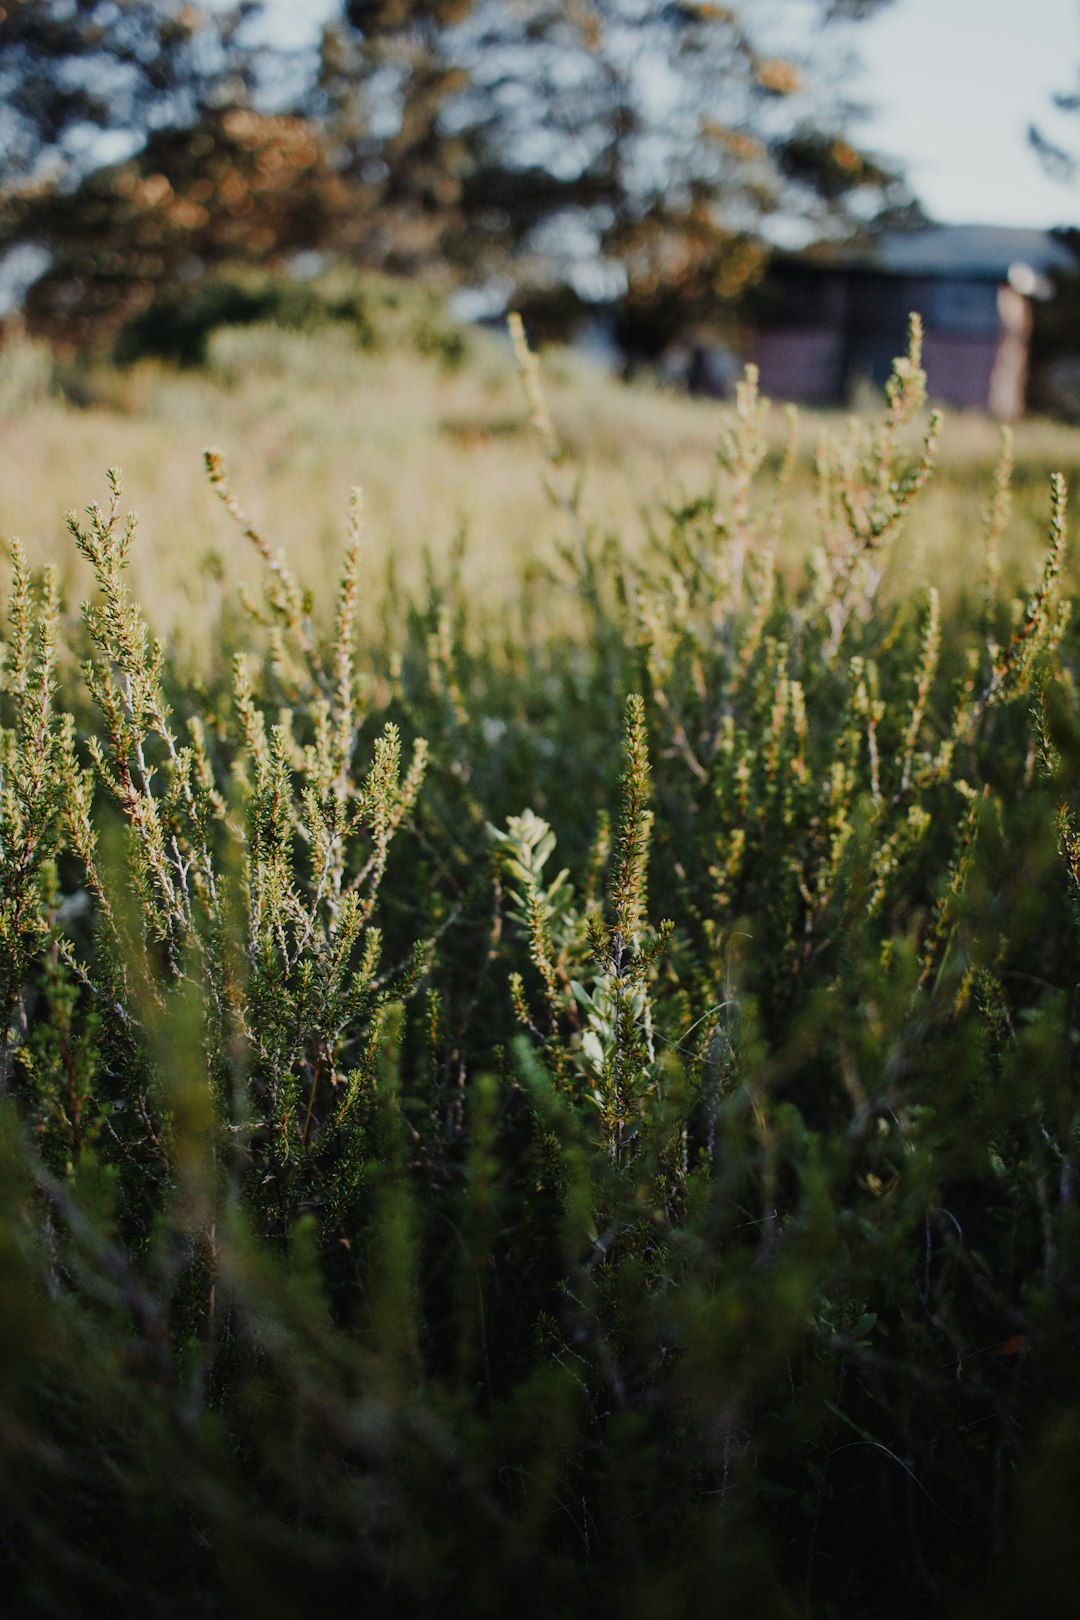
{"points": [[440, 454], [569, 1110]]}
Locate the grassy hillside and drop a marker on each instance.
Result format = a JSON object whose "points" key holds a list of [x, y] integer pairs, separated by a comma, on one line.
{"points": [[442, 453], [548, 1085]]}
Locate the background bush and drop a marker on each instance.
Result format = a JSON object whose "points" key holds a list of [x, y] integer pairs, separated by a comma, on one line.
{"points": [[369, 309]]}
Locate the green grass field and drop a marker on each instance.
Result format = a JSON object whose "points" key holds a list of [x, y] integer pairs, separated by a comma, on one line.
{"points": [[541, 1054]]}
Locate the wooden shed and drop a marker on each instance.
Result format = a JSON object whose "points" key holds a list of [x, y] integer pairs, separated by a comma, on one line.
{"points": [[829, 326]]}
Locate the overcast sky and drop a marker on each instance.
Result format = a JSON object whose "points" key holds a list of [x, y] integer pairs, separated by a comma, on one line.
{"points": [[955, 84]]}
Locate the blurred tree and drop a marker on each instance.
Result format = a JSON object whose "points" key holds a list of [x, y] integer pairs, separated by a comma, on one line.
{"points": [[203, 176], [1055, 351], [1056, 158], [636, 148], [238, 187], [388, 73], [75, 71], [637, 151]]}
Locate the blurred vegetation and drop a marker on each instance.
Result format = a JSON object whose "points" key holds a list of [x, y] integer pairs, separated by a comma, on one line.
{"points": [[569, 1107], [1055, 348], [373, 312], [577, 154]]}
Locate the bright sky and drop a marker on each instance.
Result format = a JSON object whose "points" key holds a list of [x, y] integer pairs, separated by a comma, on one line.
{"points": [[955, 84]]}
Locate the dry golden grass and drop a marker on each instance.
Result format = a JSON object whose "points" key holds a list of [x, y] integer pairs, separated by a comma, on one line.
{"points": [[438, 454]]}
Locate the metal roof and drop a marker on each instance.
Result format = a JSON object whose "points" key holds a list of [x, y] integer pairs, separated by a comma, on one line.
{"points": [[983, 252]]}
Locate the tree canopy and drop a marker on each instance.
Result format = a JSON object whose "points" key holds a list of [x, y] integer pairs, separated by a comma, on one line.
{"points": [[646, 151], [73, 71], [641, 137]]}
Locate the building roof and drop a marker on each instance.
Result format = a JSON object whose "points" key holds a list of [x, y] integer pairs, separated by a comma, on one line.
{"points": [[982, 252]]}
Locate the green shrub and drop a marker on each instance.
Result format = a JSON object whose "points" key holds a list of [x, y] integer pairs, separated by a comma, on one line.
{"points": [[370, 309], [26, 375], [578, 1125]]}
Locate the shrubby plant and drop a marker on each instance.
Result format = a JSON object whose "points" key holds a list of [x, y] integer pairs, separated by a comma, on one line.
{"points": [[581, 1124]]}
